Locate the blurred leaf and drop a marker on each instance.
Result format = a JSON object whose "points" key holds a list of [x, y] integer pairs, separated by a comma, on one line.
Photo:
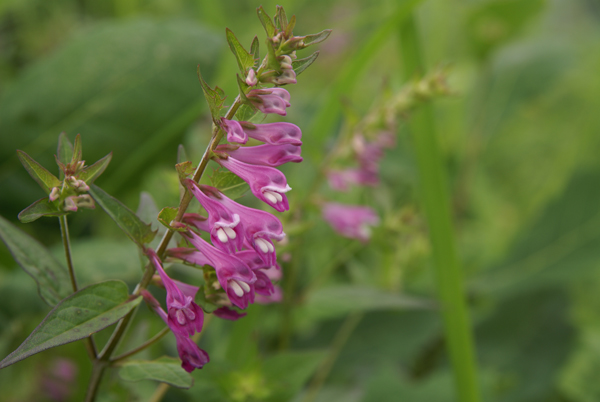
{"points": [[206, 305], [77, 150], [42, 207], [184, 170], [91, 173], [266, 22], [214, 98], [244, 59], [246, 112], [302, 64], [229, 184], [181, 154], [254, 48], [51, 277], [316, 38], [128, 221], [340, 300], [167, 215], [147, 209], [76, 317], [40, 174], [164, 369], [64, 151], [287, 372], [126, 86]]}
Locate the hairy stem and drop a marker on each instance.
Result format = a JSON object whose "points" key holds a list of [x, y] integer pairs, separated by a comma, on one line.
{"points": [[64, 230]]}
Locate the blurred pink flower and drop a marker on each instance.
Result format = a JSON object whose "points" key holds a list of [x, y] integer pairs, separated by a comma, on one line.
{"points": [[350, 220]]}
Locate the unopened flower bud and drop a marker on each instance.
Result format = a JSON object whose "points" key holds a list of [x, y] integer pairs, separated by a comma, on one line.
{"points": [[251, 79], [54, 194], [70, 204]]}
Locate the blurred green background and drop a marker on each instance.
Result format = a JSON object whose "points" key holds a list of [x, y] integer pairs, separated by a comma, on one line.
{"points": [[519, 138]]}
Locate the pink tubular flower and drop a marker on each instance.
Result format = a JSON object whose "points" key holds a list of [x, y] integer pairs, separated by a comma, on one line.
{"points": [[350, 221], [190, 255], [271, 100], [273, 133], [225, 230], [260, 229], [265, 155], [184, 316], [276, 297], [340, 180], [234, 130], [191, 355], [233, 274], [227, 313], [266, 183]]}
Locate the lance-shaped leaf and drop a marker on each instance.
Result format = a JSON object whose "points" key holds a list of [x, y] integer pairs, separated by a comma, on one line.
{"points": [[254, 48], [77, 150], [281, 20], [244, 59], [125, 218], [229, 184], [266, 22], [64, 151], [302, 64], [214, 98], [42, 207], [51, 277], [78, 316], [91, 173], [316, 38], [164, 369], [40, 174]]}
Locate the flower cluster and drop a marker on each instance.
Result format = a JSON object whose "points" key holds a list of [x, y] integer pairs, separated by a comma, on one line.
{"points": [[234, 244]]}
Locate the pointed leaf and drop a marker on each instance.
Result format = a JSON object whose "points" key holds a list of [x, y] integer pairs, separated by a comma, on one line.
{"points": [[214, 98], [128, 221], [42, 207], [78, 316], [77, 150], [65, 149], [290, 27], [51, 277], [91, 173], [166, 216], [302, 64], [254, 49], [229, 184], [247, 112], [40, 174], [244, 59], [281, 19], [316, 38], [181, 154], [164, 369], [266, 22]]}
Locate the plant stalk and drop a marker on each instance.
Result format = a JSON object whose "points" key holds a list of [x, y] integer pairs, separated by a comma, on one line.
{"points": [[143, 346], [436, 199]]}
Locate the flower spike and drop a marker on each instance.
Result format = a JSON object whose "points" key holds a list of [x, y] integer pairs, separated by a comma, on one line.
{"points": [[265, 155]]}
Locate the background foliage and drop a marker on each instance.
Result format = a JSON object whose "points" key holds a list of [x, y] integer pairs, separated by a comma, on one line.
{"points": [[520, 141]]}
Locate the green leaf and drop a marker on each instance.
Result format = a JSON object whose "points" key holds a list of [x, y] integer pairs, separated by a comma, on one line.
{"points": [[316, 38], [40, 174], [77, 150], [246, 112], [164, 369], [51, 277], [281, 19], [167, 215], [229, 184], [42, 207], [184, 170], [78, 316], [64, 151], [125, 218], [91, 173], [181, 154], [266, 22], [254, 49], [244, 59], [302, 64], [203, 302], [214, 98], [340, 300], [287, 372]]}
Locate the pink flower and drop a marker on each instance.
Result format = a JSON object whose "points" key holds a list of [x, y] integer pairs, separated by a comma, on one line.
{"points": [[185, 317], [275, 297], [271, 100], [265, 155], [227, 313], [266, 183], [234, 130], [350, 221], [271, 133], [225, 230], [340, 180], [233, 274]]}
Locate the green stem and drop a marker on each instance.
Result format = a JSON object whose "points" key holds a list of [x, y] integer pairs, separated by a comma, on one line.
{"points": [[434, 192], [341, 337], [143, 346], [64, 230], [97, 372]]}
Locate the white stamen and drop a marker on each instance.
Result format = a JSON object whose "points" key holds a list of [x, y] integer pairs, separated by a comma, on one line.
{"points": [[236, 288], [271, 248], [278, 196], [222, 236], [180, 317], [270, 196], [263, 245], [244, 286], [230, 232]]}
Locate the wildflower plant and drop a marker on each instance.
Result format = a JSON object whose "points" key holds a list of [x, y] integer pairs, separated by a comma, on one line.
{"points": [[234, 245]]}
